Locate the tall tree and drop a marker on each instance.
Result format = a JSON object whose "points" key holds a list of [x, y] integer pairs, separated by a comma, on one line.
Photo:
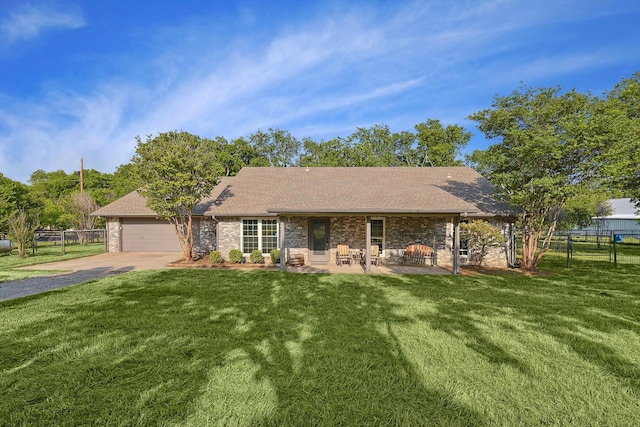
{"points": [[549, 151], [622, 109], [126, 179], [440, 145], [178, 170], [278, 146], [53, 185], [237, 154], [374, 146], [15, 197], [325, 153]]}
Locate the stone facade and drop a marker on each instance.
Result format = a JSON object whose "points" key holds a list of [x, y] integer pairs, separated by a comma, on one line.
{"points": [[206, 241], [229, 235], [113, 234], [399, 232], [495, 257], [225, 234], [297, 233]]}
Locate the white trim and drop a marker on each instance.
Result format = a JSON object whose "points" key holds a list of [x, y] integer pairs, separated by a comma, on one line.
{"points": [[384, 233], [260, 235]]}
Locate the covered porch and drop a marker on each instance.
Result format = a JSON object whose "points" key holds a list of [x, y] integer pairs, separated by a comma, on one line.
{"points": [[315, 239]]}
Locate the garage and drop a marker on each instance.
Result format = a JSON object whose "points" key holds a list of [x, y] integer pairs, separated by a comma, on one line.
{"points": [[148, 235]]}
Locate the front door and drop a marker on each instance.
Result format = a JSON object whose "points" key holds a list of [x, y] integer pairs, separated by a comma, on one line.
{"points": [[319, 241]]}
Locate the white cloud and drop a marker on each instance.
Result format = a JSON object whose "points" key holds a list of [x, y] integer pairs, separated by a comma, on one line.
{"points": [[323, 76], [29, 21]]}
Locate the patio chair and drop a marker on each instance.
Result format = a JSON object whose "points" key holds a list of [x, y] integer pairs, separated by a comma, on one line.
{"points": [[375, 255], [343, 255]]}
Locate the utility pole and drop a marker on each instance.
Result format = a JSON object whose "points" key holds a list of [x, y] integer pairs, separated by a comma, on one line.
{"points": [[81, 175]]}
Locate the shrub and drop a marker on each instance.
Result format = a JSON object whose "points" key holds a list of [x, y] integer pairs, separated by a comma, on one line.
{"points": [[256, 257], [235, 256], [275, 256], [481, 236], [215, 257]]}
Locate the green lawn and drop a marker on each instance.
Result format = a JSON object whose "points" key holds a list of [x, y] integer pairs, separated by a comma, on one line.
{"points": [[45, 252], [248, 348]]}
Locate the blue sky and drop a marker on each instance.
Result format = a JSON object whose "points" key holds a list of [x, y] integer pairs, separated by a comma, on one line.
{"points": [[84, 78]]}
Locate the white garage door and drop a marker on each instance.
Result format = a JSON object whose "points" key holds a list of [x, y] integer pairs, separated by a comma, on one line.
{"points": [[148, 235]]}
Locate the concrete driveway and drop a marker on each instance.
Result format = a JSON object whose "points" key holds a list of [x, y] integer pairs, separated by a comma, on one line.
{"points": [[85, 269], [114, 261]]}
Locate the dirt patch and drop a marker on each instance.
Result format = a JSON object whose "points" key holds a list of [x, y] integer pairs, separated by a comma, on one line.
{"points": [[474, 270]]}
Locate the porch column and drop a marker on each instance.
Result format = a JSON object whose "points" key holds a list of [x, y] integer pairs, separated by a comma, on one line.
{"points": [[283, 249], [367, 246], [456, 245]]}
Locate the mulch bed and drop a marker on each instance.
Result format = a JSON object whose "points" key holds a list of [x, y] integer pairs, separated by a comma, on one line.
{"points": [[205, 263]]}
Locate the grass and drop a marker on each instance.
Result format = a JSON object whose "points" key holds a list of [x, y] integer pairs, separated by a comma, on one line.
{"points": [[46, 252], [247, 348]]}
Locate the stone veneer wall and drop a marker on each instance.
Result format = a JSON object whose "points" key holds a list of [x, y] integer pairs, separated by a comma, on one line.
{"points": [[496, 257], [113, 234], [297, 235], [229, 235], [400, 231], [229, 232], [206, 236]]}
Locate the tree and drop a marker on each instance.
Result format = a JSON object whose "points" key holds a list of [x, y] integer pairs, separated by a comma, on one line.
{"points": [[374, 146], [79, 207], [325, 153], [481, 236], [580, 210], [178, 170], [16, 196], [125, 180], [441, 144], [278, 146], [622, 108], [22, 226], [237, 154], [54, 185], [55, 188], [549, 151]]}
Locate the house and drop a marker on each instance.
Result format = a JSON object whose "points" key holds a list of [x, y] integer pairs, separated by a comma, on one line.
{"points": [[624, 219], [309, 211]]}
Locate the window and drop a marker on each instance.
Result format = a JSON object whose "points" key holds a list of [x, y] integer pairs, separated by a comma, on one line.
{"points": [[261, 234], [464, 243], [377, 233]]}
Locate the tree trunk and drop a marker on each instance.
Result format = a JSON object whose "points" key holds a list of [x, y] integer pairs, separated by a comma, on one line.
{"points": [[184, 233]]}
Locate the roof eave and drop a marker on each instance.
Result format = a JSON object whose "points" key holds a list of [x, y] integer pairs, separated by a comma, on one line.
{"points": [[364, 211]]}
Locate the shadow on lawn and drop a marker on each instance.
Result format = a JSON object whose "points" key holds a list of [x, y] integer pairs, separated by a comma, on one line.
{"points": [[175, 346], [321, 343], [563, 306]]}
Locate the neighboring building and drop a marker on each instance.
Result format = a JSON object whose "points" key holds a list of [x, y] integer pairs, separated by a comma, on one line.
{"points": [[624, 219], [309, 211]]}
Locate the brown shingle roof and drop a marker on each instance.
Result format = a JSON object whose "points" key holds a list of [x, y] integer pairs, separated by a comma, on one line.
{"points": [[260, 191], [133, 204], [325, 190]]}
